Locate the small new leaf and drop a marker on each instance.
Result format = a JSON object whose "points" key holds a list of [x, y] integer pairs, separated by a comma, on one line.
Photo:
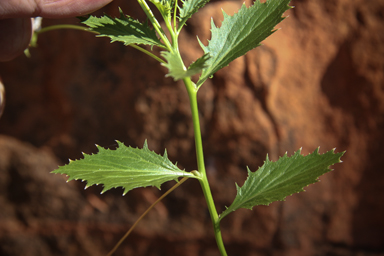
{"points": [[199, 64], [124, 29], [124, 167], [274, 181], [165, 7], [241, 33], [176, 68], [188, 8]]}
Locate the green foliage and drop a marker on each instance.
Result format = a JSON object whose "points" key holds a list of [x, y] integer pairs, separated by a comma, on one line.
{"points": [[125, 167], [176, 68], [276, 180], [241, 33], [123, 29], [129, 168]]}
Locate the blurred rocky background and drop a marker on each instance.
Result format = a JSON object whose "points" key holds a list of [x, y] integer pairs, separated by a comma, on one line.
{"points": [[316, 82]]}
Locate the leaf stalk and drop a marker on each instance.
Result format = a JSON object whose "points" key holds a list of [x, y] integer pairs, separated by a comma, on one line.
{"points": [[33, 42], [148, 53]]}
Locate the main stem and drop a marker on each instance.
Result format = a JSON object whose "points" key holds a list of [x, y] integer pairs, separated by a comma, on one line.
{"points": [[192, 93]]}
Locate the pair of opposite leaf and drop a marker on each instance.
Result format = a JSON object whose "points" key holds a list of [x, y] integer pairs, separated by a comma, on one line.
{"points": [[130, 168], [237, 34]]}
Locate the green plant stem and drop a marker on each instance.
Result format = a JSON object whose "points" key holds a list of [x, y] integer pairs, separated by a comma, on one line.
{"points": [[192, 93], [175, 18], [64, 26], [148, 53], [33, 42], [155, 23]]}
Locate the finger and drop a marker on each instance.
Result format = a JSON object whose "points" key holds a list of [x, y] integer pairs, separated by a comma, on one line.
{"points": [[49, 8], [2, 97], [15, 35]]}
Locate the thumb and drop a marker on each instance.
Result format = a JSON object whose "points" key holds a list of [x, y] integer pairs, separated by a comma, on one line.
{"points": [[15, 34]]}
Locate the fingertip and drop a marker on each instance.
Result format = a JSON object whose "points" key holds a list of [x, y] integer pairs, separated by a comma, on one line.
{"points": [[15, 35], [69, 8]]}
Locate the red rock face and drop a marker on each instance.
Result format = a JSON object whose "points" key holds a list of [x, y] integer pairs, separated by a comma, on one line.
{"points": [[318, 81]]}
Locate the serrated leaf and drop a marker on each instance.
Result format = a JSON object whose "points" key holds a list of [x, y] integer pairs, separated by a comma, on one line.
{"points": [[197, 66], [188, 8], [274, 181], [176, 68], [124, 167], [241, 33], [124, 29]]}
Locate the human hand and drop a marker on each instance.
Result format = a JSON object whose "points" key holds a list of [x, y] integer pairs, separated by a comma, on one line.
{"points": [[16, 24]]}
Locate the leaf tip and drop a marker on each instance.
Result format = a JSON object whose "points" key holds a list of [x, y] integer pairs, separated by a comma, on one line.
{"points": [[105, 189], [224, 13], [165, 155], [145, 146], [121, 12]]}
